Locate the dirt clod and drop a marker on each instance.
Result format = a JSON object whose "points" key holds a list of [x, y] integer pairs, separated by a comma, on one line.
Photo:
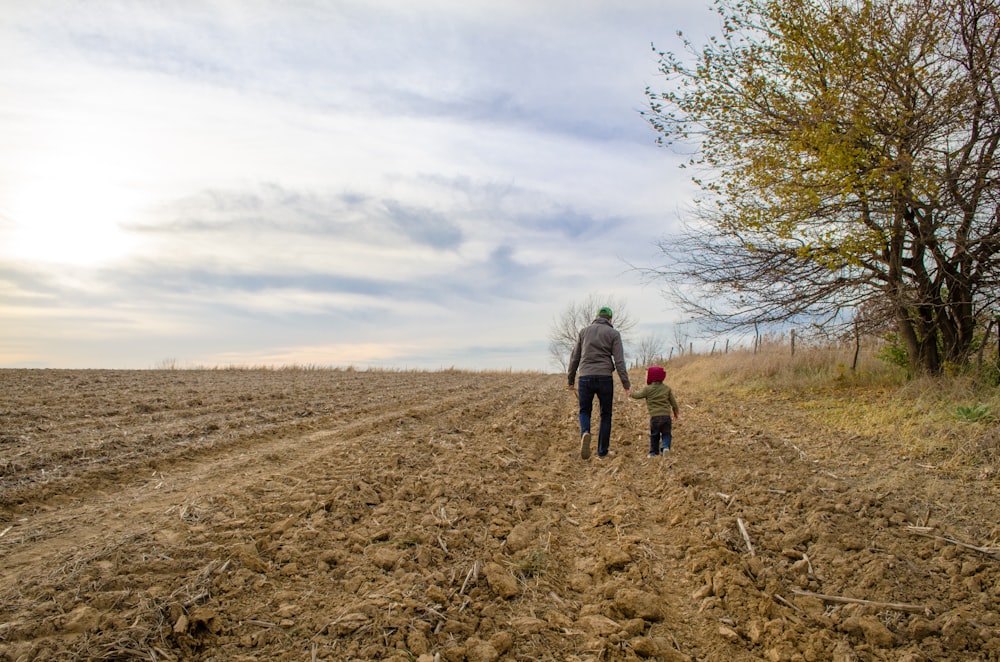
{"points": [[345, 515]]}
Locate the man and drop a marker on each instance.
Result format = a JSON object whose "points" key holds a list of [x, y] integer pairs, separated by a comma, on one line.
{"points": [[598, 355]]}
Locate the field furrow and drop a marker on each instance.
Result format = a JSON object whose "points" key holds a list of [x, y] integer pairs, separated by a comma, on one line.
{"points": [[360, 516]]}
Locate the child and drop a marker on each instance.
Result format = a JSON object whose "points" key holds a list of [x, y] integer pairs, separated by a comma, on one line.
{"points": [[660, 402]]}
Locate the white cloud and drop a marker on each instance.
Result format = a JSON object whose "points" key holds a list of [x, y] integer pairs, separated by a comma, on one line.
{"points": [[436, 180]]}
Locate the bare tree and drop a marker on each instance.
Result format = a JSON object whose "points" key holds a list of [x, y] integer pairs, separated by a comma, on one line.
{"points": [[578, 314], [681, 339], [649, 349]]}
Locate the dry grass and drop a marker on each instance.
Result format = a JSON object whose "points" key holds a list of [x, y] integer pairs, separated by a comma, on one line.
{"points": [[774, 367], [949, 420]]}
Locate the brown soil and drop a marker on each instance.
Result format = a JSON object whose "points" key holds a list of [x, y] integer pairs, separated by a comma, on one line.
{"points": [[337, 515]]}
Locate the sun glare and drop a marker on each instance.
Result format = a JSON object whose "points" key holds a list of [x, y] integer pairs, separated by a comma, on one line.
{"points": [[71, 197], [71, 220]]}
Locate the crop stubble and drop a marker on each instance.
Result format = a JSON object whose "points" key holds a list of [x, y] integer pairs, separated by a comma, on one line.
{"points": [[315, 514]]}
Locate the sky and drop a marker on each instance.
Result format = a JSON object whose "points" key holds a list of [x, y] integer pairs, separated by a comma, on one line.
{"points": [[394, 184]]}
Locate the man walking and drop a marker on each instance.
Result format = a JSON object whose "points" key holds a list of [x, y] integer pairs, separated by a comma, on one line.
{"points": [[598, 355]]}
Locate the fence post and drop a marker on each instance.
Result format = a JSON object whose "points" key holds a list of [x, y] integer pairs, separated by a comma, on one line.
{"points": [[857, 346], [792, 335]]}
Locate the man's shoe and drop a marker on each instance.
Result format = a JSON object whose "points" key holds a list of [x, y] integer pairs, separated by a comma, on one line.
{"points": [[585, 445], [653, 455]]}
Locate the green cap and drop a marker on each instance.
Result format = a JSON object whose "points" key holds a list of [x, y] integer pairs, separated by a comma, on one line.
{"points": [[605, 312]]}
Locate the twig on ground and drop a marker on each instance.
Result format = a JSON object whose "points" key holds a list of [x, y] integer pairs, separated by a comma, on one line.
{"points": [[898, 606], [989, 551], [746, 536], [263, 624], [473, 575], [786, 602], [730, 500]]}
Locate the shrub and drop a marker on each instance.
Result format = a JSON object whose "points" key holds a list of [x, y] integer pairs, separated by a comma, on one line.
{"points": [[978, 413]]}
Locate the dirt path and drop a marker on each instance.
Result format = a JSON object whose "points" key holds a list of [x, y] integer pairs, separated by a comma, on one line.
{"points": [[333, 516]]}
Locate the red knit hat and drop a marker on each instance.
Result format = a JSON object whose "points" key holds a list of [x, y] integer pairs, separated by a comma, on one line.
{"points": [[655, 374]]}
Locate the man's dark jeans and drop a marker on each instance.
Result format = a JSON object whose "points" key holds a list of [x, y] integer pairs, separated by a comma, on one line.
{"points": [[604, 388]]}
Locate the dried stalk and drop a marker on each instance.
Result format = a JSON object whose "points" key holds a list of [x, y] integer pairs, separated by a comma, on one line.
{"points": [[898, 606], [989, 551], [746, 536]]}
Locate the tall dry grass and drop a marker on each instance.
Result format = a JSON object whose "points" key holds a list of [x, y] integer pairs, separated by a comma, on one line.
{"points": [[775, 366], [950, 419]]}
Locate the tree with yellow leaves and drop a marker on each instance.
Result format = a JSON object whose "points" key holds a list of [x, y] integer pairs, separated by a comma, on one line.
{"points": [[847, 153]]}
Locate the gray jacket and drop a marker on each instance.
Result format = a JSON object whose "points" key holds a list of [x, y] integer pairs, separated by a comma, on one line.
{"points": [[599, 351]]}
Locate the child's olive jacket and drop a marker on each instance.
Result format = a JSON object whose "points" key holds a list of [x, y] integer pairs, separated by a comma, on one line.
{"points": [[659, 398]]}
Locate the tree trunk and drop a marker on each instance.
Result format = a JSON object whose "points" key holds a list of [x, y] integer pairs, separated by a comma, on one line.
{"points": [[959, 318], [904, 328], [928, 334], [915, 326]]}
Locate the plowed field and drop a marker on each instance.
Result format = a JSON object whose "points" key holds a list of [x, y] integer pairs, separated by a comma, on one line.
{"points": [[338, 515]]}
